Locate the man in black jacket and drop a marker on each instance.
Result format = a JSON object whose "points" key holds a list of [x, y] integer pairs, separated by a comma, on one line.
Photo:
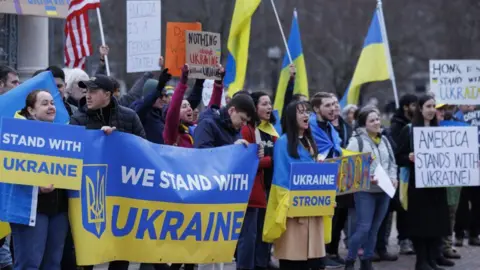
{"points": [[100, 110], [401, 118]]}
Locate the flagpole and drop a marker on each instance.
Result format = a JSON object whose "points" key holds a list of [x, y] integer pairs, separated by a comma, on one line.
{"points": [[281, 31], [102, 36], [383, 29]]}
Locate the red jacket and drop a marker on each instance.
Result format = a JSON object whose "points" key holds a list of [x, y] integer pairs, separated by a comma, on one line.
{"points": [[175, 133], [258, 197]]}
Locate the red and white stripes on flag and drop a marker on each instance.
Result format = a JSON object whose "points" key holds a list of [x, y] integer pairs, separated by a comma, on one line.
{"points": [[77, 32]]}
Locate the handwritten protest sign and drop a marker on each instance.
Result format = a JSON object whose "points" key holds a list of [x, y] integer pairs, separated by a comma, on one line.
{"points": [[143, 35], [40, 154], [446, 156], [313, 187], [353, 173], [47, 8], [473, 118], [455, 82], [175, 45], [203, 54]]}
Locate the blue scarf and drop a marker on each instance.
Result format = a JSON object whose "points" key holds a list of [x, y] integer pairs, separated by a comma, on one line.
{"points": [[324, 144]]}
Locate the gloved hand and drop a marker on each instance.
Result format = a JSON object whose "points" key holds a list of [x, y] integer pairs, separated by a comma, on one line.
{"points": [[163, 79], [221, 71], [184, 77]]}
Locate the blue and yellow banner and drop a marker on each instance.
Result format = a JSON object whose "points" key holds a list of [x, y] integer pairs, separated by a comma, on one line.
{"points": [[353, 173], [313, 187], [140, 203], [37, 153]]}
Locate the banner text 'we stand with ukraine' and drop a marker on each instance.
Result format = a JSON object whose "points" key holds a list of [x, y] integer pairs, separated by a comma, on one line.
{"points": [[139, 202]]}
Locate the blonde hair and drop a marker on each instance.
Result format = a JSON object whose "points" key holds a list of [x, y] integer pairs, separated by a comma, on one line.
{"points": [[73, 77]]}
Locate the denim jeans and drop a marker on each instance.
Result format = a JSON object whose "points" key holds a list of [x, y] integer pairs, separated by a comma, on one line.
{"points": [[262, 249], [248, 239], [370, 209], [5, 255], [41, 246]]}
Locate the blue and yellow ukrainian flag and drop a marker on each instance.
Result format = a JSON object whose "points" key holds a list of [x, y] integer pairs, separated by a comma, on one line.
{"points": [[372, 65], [301, 81], [238, 41]]}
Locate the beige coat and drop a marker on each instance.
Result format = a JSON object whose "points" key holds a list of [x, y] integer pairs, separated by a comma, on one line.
{"points": [[303, 239]]}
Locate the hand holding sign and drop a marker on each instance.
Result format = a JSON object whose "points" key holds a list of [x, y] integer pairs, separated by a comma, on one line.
{"points": [[411, 156], [241, 141], [108, 130], [185, 72], [221, 72], [261, 151], [47, 189]]}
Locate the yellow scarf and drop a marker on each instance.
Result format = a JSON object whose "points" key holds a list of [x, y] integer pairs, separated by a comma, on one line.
{"points": [[375, 139], [268, 128]]}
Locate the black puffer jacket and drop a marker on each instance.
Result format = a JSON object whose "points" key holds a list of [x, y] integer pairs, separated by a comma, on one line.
{"points": [[123, 118]]}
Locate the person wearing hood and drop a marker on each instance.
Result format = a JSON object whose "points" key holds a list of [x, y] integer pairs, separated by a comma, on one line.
{"points": [[43, 243], [371, 206], [402, 117]]}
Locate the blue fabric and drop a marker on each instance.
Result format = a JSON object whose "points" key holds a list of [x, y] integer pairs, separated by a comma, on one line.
{"points": [[452, 123], [247, 241], [371, 209], [283, 161], [324, 144], [214, 130], [41, 244], [152, 119], [460, 115], [16, 203]]}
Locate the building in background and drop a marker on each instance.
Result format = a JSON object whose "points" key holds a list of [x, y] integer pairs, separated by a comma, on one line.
{"points": [[25, 33]]}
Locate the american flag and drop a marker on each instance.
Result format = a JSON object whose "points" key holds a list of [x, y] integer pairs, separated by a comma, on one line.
{"points": [[77, 32]]}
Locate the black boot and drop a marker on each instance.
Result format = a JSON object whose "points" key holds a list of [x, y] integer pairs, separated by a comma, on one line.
{"points": [[366, 265], [349, 265]]}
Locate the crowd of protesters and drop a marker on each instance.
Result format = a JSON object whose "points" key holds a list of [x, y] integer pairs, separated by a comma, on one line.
{"points": [[437, 220]]}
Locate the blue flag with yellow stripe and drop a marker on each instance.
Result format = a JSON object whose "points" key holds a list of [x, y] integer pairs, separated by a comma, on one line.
{"points": [[372, 65], [296, 52]]}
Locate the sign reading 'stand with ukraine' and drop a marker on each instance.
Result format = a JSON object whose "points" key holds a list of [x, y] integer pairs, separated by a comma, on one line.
{"points": [[40, 154], [312, 189], [140, 202]]}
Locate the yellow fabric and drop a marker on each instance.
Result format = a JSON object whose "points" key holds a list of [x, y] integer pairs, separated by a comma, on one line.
{"points": [[276, 214], [327, 227], [4, 229], [375, 139], [268, 128]]}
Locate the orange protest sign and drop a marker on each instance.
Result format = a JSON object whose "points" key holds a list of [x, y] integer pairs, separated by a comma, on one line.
{"points": [[175, 45]]}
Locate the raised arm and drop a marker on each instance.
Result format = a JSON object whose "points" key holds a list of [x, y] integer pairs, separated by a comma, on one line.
{"points": [[172, 121], [217, 93]]}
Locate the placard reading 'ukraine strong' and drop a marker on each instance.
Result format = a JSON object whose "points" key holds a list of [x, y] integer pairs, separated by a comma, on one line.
{"points": [[312, 189], [40, 154], [151, 203]]}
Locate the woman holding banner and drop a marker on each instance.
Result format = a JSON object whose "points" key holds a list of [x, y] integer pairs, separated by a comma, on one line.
{"points": [[252, 252], [43, 243], [371, 206], [299, 242], [428, 215]]}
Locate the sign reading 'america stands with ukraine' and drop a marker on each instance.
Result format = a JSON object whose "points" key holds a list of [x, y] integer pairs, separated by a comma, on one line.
{"points": [[139, 202], [40, 154], [313, 187]]}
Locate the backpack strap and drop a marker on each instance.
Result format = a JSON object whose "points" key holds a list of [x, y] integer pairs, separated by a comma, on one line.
{"points": [[360, 143]]}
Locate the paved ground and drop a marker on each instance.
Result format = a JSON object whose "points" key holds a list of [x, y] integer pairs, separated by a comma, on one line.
{"points": [[470, 259]]}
